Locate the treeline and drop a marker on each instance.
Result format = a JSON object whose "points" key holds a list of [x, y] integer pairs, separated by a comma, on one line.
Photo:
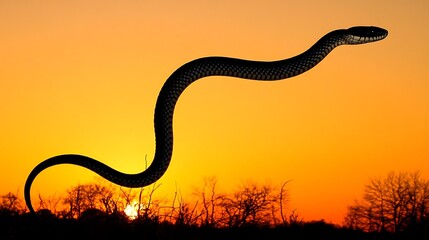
{"points": [[253, 204], [396, 207]]}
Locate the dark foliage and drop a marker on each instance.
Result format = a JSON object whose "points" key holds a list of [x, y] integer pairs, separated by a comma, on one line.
{"points": [[398, 210], [95, 224]]}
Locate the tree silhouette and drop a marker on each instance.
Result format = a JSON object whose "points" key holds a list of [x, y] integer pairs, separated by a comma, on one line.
{"points": [[84, 197], [252, 205], [399, 202], [11, 203], [148, 207], [210, 202]]}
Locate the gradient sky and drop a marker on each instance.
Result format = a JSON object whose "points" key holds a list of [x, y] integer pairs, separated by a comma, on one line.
{"points": [[83, 77]]}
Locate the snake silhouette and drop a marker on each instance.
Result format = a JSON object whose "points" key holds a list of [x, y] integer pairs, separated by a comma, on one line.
{"points": [[192, 71]]}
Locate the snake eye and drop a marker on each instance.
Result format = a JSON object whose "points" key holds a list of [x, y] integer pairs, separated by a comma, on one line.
{"points": [[364, 34]]}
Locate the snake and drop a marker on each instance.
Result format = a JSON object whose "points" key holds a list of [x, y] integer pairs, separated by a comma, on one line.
{"points": [[188, 73]]}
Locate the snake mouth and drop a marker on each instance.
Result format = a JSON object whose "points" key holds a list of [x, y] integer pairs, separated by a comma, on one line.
{"points": [[365, 34]]}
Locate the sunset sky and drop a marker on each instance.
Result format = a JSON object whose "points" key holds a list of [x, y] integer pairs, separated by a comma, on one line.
{"points": [[83, 77]]}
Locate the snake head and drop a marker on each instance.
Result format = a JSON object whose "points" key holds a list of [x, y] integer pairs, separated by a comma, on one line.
{"points": [[364, 34]]}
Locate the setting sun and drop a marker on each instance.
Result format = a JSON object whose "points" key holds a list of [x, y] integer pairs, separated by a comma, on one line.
{"points": [[131, 210]]}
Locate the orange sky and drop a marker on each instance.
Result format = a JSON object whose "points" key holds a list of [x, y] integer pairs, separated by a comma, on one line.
{"points": [[80, 77]]}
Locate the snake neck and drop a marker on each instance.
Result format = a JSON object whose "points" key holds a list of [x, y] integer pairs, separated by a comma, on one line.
{"points": [[232, 67]]}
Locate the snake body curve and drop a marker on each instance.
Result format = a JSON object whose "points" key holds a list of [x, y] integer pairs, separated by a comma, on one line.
{"points": [[187, 74]]}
